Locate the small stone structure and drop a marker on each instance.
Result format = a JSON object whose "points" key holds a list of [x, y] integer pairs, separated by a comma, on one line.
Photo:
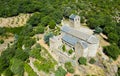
{"points": [[83, 44]]}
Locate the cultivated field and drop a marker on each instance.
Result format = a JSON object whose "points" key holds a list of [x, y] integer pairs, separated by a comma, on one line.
{"points": [[15, 21]]}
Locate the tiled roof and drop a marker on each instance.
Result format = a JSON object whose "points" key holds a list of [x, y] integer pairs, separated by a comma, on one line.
{"points": [[84, 44], [75, 35], [92, 39], [72, 16], [71, 40]]}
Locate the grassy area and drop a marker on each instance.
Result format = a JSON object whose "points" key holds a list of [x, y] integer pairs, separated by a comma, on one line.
{"points": [[49, 56], [29, 70], [44, 65]]}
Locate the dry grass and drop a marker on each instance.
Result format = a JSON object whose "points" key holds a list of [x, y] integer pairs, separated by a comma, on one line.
{"points": [[103, 42], [95, 70], [117, 62]]}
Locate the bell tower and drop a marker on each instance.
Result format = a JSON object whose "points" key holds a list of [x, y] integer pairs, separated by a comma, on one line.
{"points": [[74, 20]]}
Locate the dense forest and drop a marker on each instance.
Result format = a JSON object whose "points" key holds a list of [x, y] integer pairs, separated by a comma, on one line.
{"points": [[95, 13]]}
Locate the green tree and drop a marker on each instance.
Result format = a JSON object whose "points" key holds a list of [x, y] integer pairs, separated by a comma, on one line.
{"points": [[118, 44], [67, 11], [45, 20], [4, 63], [17, 66], [82, 61], [1, 41], [98, 30], [52, 24], [113, 37], [92, 23], [69, 67], [47, 37], [57, 16], [35, 53], [7, 72], [60, 72], [112, 51], [108, 29], [35, 19], [22, 55], [2, 31], [118, 72], [39, 29], [92, 61], [8, 53], [70, 51], [82, 20], [28, 42], [64, 48]]}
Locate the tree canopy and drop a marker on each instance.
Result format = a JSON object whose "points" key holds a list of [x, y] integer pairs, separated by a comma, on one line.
{"points": [[112, 51]]}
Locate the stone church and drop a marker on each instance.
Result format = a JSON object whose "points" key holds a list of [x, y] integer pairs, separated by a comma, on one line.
{"points": [[83, 44]]}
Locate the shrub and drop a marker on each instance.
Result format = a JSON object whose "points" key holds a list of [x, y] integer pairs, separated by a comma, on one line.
{"points": [[82, 20], [2, 31], [35, 53], [39, 29], [70, 51], [7, 72], [69, 67], [118, 72], [92, 61], [45, 20], [60, 72], [113, 37], [29, 42], [1, 41], [64, 48], [44, 65], [47, 36], [17, 67], [52, 24], [35, 19], [29, 70], [112, 51], [98, 30], [82, 60], [20, 54]]}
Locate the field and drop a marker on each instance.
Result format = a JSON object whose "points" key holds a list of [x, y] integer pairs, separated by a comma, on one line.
{"points": [[15, 21]]}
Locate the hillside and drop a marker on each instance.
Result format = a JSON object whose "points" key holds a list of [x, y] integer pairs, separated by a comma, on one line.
{"points": [[27, 25]]}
